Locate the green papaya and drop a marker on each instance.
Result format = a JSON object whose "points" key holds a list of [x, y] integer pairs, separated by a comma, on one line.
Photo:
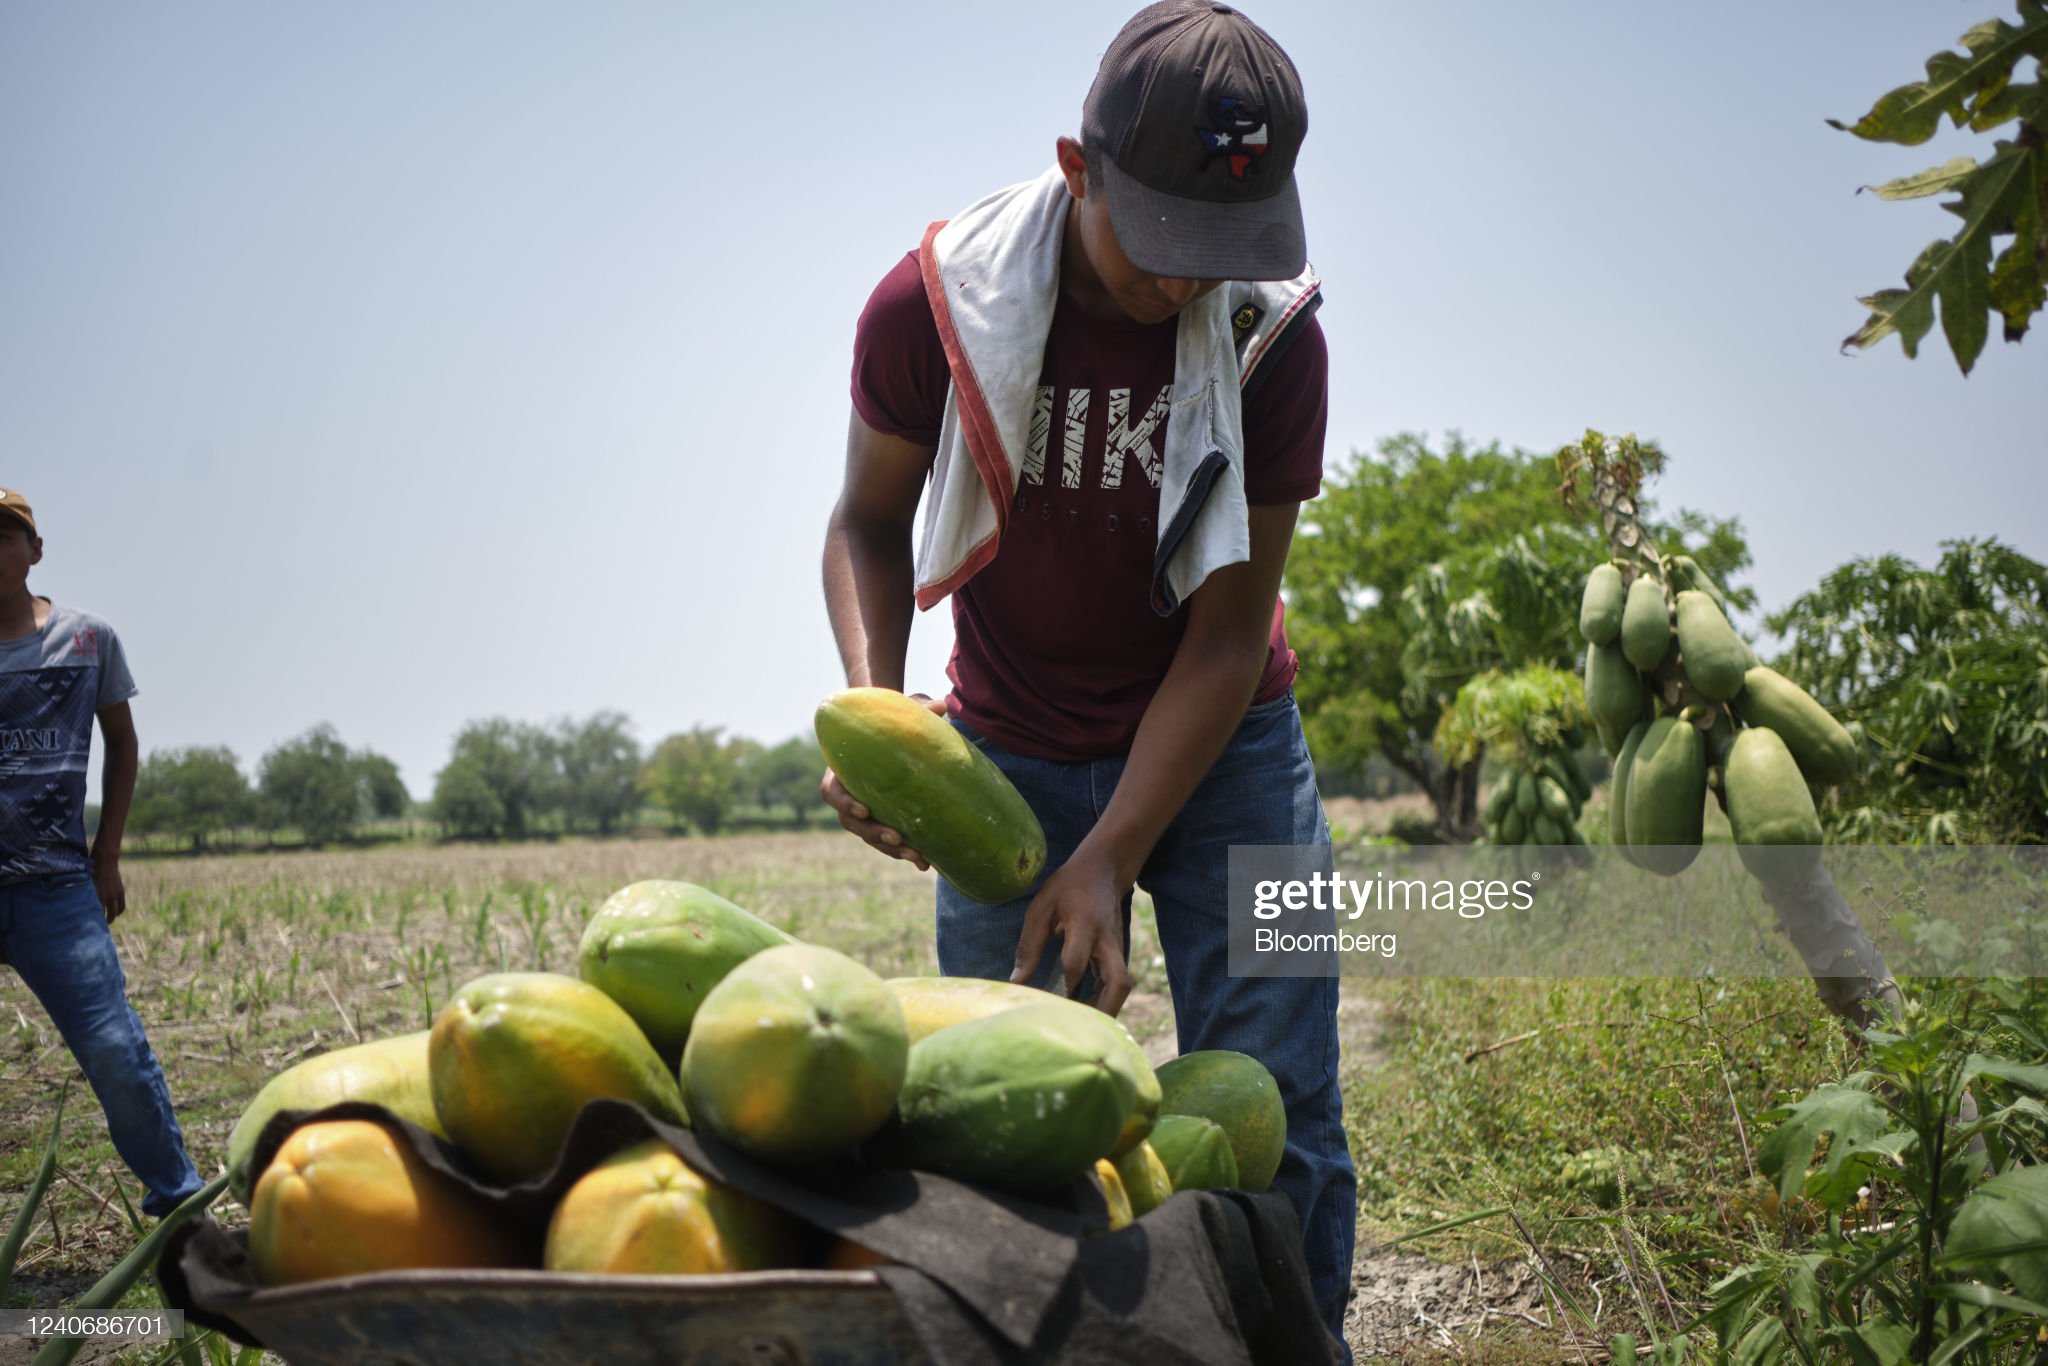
{"points": [[1713, 653], [1235, 1091], [1556, 803], [1570, 776], [1544, 830], [1610, 739], [1646, 623], [1195, 1151], [1617, 790], [1667, 796], [921, 778], [1686, 573], [1770, 810], [1614, 693], [1822, 748], [1023, 1100], [1514, 827], [1600, 606], [658, 947], [1525, 795], [1503, 790], [931, 1004]]}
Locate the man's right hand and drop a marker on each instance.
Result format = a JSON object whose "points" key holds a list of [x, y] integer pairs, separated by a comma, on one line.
{"points": [[855, 816]]}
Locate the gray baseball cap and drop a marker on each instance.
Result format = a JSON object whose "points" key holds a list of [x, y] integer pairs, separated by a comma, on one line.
{"points": [[1198, 116]]}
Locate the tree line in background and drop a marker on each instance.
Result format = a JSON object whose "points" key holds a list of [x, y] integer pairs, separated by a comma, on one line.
{"points": [[1419, 573], [504, 780]]}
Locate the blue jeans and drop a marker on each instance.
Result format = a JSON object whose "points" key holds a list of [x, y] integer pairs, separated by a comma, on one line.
{"points": [[54, 934], [1261, 790]]}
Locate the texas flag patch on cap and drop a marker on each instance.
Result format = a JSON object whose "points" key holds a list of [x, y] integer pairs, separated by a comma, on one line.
{"points": [[1236, 133]]}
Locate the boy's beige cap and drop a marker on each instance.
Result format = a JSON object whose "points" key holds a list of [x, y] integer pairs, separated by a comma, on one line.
{"points": [[14, 505]]}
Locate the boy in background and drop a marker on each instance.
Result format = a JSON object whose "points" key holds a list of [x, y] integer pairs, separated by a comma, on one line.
{"points": [[60, 668]]}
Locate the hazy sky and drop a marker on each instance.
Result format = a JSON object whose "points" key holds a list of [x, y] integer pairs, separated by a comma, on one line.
{"points": [[394, 365]]}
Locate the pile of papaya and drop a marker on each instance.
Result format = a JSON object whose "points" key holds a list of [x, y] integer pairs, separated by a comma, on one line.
{"points": [[1684, 709], [1539, 804], [709, 1018]]}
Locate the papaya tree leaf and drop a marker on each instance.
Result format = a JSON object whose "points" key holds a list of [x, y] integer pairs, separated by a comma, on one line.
{"points": [[1851, 1116], [1911, 113], [2022, 101], [2017, 288], [1995, 198], [1934, 180], [1965, 297], [2003, 1229]]}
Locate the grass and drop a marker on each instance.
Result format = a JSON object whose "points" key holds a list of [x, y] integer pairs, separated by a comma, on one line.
{"points": [[1615, 1129]]}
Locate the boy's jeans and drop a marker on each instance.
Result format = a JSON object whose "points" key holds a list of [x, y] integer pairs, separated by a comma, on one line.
{"points": [[1262, 790], [54, 934]]}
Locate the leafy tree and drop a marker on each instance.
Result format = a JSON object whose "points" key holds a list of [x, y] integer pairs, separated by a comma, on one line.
{"points": [[694, 775], [382, 788], [1419, 570], [600, 763], [465, 803], [308, 783], [324, 789], [518, 763], [1517, 715], [190, 792], [1942, 674], [783, 775], [2004, 195]]}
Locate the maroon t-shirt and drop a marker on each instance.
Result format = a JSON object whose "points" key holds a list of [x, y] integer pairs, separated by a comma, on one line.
{"points": [[1057, 650]]}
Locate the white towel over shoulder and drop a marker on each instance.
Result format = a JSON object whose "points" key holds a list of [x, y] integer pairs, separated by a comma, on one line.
{"points": [[992, 275]]}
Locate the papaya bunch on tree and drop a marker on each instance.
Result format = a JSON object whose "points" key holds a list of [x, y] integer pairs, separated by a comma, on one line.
{"points": [[1529, 722], [1681, 703]]}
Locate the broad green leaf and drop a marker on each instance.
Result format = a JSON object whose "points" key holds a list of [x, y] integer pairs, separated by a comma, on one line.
{"points": [[1836, 1184], [1852, 1117], [1935, 180], [2003, 1227], [1912, 113], [2023, 101], [2027, 1078], [1994, 197], [1883, 1342], [2018, 290]]}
